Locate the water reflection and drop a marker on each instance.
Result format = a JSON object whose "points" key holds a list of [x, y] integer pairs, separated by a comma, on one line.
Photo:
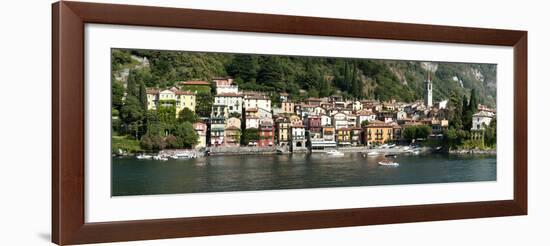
{"points": [[267, 172]]}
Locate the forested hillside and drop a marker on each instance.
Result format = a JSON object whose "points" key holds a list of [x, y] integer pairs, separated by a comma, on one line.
{"points": [[309, 76]]}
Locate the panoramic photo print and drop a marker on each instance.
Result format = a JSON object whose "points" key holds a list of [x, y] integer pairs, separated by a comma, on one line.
{"points": [[192, 122]]}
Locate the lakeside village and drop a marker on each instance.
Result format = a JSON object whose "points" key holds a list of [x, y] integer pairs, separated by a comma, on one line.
{"points": [[244, 122]]}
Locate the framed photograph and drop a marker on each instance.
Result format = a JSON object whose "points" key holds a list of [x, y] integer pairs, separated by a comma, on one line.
{"points": [[177, 123]]}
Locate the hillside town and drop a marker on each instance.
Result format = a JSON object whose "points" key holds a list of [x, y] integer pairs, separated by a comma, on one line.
{"points": [[246, 118]]}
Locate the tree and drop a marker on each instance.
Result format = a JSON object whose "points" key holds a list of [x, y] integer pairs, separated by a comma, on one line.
{"points": [[204, 104], [450, 136], [250, 134], [473, 101], [171, 141], [364, 123], [132, 111], [243, 68], [466, 114], [186, 115], [117, 93], [152, 142], [271, 71], [185, 135], [423, 131], [490, 134], [416, 132], [409, 133]]}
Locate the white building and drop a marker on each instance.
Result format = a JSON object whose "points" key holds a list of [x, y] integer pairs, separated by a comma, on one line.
{"points": [[225, 85], [326, 120], [481, 119], [365, 115], [233, 101], [401, 115], [357, 105], [261, 102], [298, 137], [352, 120], [340, 120], [252, 122]]}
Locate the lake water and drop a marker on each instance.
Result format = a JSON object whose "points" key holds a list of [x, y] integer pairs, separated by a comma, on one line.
{"points": [[298, 171]]}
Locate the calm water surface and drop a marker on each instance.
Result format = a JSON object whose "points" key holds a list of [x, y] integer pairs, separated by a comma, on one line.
{"points": [[268, 172]]}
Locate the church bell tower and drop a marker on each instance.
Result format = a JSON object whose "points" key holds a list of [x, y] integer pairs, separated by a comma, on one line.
{"points": [[428, 92]]}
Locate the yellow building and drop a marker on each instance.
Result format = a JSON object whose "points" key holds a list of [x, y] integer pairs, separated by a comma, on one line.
{"points": [[343, 136], [185, 99], [182, 99], [378, 132]]}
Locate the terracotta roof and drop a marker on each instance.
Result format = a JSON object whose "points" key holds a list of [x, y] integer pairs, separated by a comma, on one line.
{"points": [[152, 91], [194, 82], [377, 123], [229, 94], [251, 110], [184, 93]]}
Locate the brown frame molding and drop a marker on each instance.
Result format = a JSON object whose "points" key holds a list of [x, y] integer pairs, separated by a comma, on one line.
{"points": [[68, 19]]}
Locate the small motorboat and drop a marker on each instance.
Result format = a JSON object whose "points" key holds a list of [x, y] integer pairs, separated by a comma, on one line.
{"points": [[388, 163], [144, 157], [391, 156], [334, 152], [160, 158]]}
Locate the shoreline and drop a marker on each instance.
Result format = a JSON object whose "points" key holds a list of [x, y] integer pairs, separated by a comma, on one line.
{"points": [[472, 152], [245, 150]]}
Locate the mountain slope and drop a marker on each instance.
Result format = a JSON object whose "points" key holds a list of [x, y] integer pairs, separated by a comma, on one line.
{"points": [[319, 77]]}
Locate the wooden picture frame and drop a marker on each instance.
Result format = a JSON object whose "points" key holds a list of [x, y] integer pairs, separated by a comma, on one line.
{"points": [[68, 223]]}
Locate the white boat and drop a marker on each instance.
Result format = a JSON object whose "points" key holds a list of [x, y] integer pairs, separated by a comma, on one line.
{"points": [[143, 157], [184, 156], [388, 163], [334, 152], [160, 158]]}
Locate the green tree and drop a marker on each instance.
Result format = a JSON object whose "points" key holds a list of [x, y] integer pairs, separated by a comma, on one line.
{"points": [[423, 131], [243, 68], [251, 134], [409, 133], [271, 71], [185, 135], [473, 100], [117, 93], [186, 115], [450, 136], [416, 132], [204, 104], [364, 123], [132, 112], [152, 142], [490, 134]]}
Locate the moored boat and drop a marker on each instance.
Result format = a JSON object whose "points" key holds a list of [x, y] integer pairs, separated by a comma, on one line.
{"points": [[388, 163], [144, 157]]}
